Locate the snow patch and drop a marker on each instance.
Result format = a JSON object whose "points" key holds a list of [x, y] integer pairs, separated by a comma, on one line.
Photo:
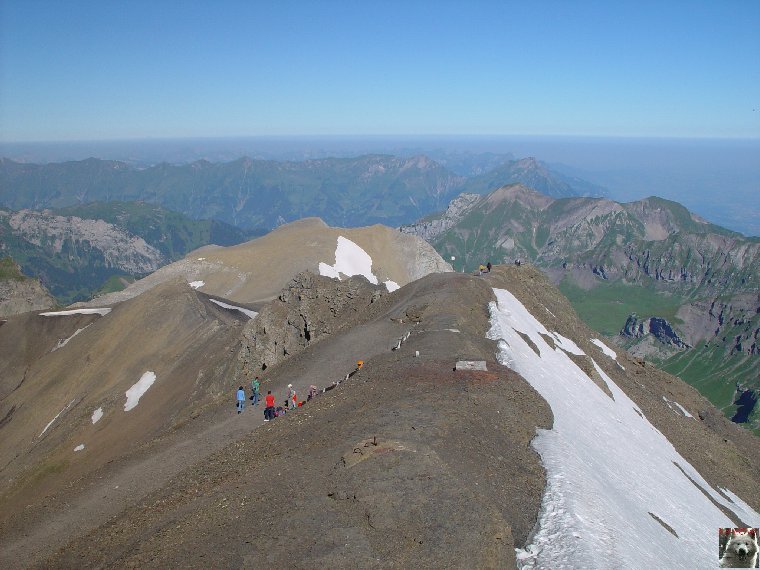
{"points": [[607, 468], [50, 423], [196, 284], [251, 314], [96, 415], [79, 447], [392, 286], [745, 512], [567, 345], [350, 259], [138, 389], [605, 349], [683, 410], [64, 342], [102, 312]]}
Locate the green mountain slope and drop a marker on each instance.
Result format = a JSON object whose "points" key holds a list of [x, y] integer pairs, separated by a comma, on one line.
{"points": [[693, 286]]}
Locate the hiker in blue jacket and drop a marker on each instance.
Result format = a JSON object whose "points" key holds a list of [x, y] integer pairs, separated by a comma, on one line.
{"points": [[240, 399]]}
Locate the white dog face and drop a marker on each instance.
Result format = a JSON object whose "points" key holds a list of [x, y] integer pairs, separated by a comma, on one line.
{"points": [[742, 546], [742, 543]]}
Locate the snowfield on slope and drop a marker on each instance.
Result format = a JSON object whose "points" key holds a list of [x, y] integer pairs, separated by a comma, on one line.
{"points": [[249, 313], [350, 259], [102, 312], [138, 389], [613, 480]]}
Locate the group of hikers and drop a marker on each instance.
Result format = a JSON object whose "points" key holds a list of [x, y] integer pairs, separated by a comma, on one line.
{"points": [[487, 267], [271, 409]]}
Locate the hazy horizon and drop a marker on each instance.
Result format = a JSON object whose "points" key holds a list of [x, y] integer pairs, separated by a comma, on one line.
{"points": [[716, 178]]}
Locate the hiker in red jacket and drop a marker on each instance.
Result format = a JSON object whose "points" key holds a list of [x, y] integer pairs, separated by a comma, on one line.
{"points": [[269, 409]]}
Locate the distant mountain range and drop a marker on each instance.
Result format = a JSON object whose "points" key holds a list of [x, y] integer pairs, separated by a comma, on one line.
{"points": [[263, 194], [672, 287], [536, 175], [74, 258]]}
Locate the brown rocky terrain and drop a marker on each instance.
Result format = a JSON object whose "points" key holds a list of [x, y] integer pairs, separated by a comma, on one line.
{"points": [[407, 462], [255, 271]]}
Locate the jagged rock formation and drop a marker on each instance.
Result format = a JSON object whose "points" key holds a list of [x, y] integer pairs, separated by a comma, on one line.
{"points": [[308, 309], [658, 327], [429, 230]]}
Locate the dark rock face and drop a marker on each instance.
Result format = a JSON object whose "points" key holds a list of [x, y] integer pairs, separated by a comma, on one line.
{"points": [[656, 326], [746, 401], [309, 308]]}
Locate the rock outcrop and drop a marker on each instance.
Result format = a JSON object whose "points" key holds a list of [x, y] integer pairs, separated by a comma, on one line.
{"points": [[658, 327], [20, 294], [308, 309], [430, 229]]}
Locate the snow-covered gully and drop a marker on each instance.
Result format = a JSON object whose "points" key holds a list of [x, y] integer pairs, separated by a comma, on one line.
{"points": [[618, 494]]}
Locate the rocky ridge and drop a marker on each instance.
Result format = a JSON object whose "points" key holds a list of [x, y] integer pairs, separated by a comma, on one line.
{"points": [[255, 271]]}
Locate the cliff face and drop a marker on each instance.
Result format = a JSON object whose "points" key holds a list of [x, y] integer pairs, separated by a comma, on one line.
{"points": [[77, 236], [657, 327]]}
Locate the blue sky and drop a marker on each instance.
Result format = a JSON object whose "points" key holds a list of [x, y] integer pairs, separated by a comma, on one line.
{"points": [[80, 70]]}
